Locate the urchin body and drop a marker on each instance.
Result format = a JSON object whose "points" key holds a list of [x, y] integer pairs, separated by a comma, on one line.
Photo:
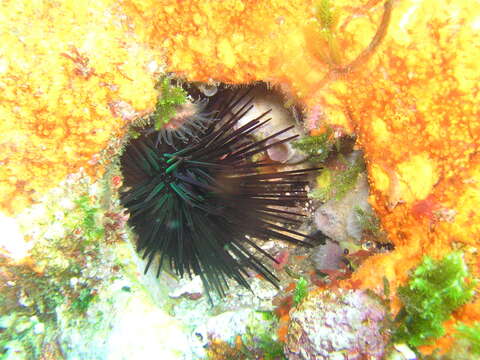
{"points": [[198, 202]]}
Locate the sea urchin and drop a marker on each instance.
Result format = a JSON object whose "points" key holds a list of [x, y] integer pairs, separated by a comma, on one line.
{"points": [[200, 201]]}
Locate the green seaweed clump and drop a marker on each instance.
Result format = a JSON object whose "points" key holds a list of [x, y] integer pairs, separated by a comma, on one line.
{"points": [[317, 147], [435, 289], [327, 19], [271, 349], [82, 302], [170, 97], [325, 15], [370, 224], [89, 215], [336, 184], [261, 336], [259, 341], [301, 291]]}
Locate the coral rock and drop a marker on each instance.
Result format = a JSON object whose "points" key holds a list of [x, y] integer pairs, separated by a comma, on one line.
{"points": [[71, 75], [345, 324]]}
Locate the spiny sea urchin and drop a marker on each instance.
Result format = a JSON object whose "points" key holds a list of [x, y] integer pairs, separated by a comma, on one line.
{"points": [[198, 201]]}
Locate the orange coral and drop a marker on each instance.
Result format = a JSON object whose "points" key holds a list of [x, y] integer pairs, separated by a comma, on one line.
{"points": [[67, 85], [243, 41], [415, 111]]}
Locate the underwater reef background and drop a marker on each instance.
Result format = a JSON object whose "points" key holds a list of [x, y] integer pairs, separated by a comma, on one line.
{"points": [[402, 75]]}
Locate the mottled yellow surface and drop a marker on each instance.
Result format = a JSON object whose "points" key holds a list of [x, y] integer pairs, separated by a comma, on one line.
{"points": [[71, 75], [238, 41], [412, 97]]}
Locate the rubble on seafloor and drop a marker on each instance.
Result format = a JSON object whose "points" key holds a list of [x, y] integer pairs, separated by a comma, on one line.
{"points": [[338, 324]]}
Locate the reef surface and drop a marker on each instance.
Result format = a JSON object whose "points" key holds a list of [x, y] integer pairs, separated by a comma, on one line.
{"points": [[402, 75]]}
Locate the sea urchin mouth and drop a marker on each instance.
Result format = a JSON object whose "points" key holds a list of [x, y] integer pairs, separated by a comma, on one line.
{"points": [[198, 203]]}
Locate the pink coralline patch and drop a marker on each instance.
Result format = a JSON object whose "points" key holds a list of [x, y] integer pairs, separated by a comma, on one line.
{"points": [[282, 259], [328, 257], [348, 323], [314, 118], [116, 181]]}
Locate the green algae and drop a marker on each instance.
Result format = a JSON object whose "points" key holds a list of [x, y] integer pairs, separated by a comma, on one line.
{"points": [[435, 289], [260, 340], [317, 147], [334, 185], [82, 302], [301, 291], [170, 97], [88, 218], [326, 17], [370, 223], [60, 280]]}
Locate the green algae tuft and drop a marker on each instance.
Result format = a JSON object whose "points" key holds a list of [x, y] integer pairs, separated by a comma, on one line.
{"points": [[435, 289]]}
